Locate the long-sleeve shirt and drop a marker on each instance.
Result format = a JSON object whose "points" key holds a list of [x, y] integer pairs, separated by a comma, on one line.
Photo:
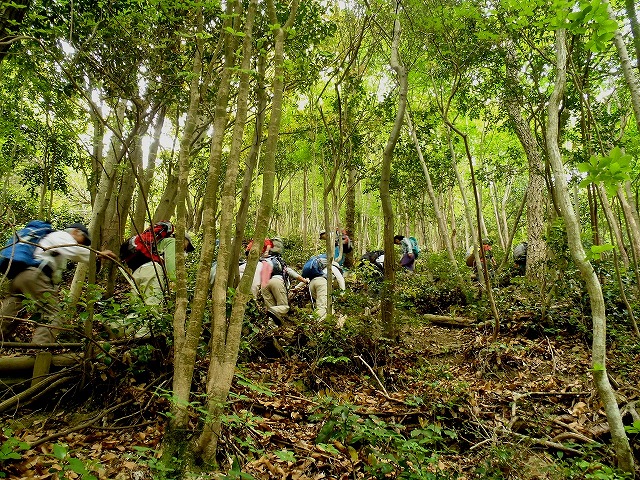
{"points": [[56, 249], [406, 246], [337, 275]]}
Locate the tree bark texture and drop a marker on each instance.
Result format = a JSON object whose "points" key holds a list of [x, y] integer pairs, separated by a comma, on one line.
{"points": [[605, 391], [186, 334], [388, 321], [225, 339], [537, 247]]}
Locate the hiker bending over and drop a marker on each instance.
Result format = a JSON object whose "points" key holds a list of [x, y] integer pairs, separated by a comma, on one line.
{"points": [[478, 270], [375, 258], [275, 278], [151, 256], [315, 269], [520, 258], [347, 247], [34, 263], [409, 253]]}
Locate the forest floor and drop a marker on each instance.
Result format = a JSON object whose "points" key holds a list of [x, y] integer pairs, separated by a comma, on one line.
{"points": [[443, 402]]}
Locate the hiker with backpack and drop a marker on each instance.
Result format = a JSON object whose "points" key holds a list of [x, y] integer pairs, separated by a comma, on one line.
{"points": [[33, 260], [151, 256], [342, 244], [520, 258], [375, 258], [488, 256], [275, 278], [410, 251], [315, 269]]}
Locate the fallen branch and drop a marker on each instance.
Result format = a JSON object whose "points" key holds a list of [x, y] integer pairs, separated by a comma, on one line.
{"points": [[546, 443], [449, 321], [88, 423], [579, 434], [574, 435], [36, 390], [39, 346], [551, 394]]}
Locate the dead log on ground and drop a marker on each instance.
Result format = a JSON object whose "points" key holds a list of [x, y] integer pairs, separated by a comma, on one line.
{"points": [[448, 320]]}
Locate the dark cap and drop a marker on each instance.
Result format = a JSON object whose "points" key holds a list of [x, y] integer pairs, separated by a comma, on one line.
{"points": [[83, 229]]}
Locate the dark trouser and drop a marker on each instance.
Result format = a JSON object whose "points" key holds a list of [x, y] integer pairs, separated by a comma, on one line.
{"points": [[34, 284], [408, 262]]}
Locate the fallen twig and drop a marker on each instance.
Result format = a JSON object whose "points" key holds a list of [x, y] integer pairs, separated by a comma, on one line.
{"points": [[36, 391], [88, 423], [546, 443], [578, 436], [374, 376]]}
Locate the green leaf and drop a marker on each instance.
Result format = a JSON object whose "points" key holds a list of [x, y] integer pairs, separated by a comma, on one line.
{"points": [[584, 167], [78, 466], [598, 367], [607, 247], [60, 451], [285, 455]]}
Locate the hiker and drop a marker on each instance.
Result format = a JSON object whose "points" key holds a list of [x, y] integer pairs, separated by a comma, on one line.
{"points": [[150, 277], [488, 255], [409, 251], [315, 269], [347, 247], [151, 256], [36, 270], [376, 258], [266, 247], [520, 258], [275, 277]]}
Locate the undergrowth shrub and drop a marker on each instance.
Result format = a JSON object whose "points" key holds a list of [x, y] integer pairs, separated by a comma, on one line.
{"points": [[422, 294], [384, 447]]}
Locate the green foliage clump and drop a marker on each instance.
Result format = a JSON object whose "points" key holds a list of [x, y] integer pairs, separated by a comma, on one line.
{"points": [[434, 288], [384, 447]]}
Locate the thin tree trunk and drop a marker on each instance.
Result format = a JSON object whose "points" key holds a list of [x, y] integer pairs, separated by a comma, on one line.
{"points": [[613, 224], [185, 334], [142, 212], [605, 391], [390, 325], [440, 217], [630, 8], [250, 162], [634, 228], [224, 345], [630, 74], [502, 233], [226, 337]]}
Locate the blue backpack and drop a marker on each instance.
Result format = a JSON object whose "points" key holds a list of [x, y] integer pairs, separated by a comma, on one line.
{"points": [[414, 246], [314, 267], [17, 254]]}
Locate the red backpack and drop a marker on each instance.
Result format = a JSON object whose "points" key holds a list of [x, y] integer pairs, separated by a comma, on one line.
{"points": [[143, 248]]}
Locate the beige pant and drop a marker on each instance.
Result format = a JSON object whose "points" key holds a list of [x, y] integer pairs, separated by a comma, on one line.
{"points": [[275, 297], [33, 284], [318, 290], [151, 282]]}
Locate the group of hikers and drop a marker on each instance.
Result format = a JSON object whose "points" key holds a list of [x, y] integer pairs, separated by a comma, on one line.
{"points": [[35, 257]]}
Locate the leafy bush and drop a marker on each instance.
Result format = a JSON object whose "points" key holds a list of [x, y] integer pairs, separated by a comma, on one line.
{"points": [[383, 447]]}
